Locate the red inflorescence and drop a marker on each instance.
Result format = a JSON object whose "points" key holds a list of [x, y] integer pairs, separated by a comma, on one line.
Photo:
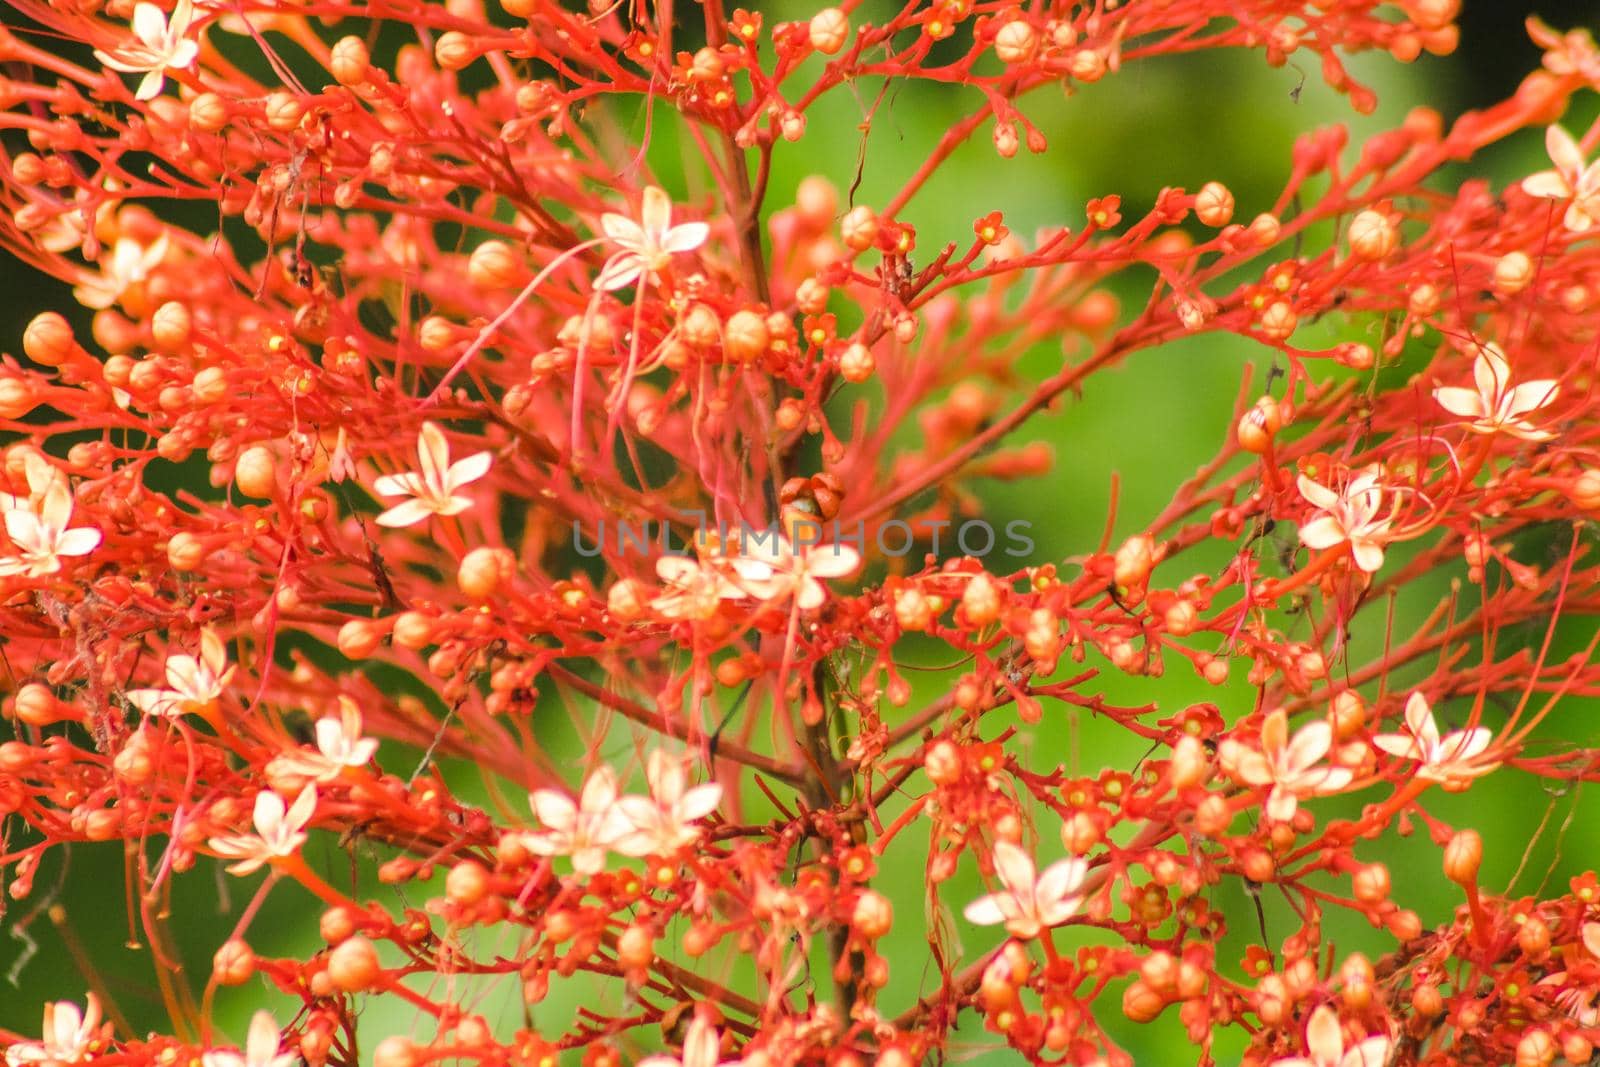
{"points": [[477, 422]]}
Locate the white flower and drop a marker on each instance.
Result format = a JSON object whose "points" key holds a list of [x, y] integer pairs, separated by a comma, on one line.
{"points": [[1353, 516], [585, 830], [1290, 767], [279, 832], [194, 683], [260, 1048], [1325, 1043], [1452, 758], [1495, 406], [434, 488], [339, 746], [1026, 904], [702, 1047], [694, 589], [1569, 180], [129, 264], [38, 529], [158, 46], [772, 569], [648, 245], [665, 821], [69, 1035]]}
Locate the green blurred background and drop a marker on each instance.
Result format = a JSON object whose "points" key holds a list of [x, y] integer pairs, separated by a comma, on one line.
{"points": [[1166, 122]]}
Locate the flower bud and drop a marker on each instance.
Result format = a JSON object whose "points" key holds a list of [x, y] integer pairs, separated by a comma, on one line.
{"points": [[943, 763], [284, 110], [1512, 273], [493, 265], [1371, 883], [170, 325], [256, 472], [1140, 1003], [467, 882], [36, 705], [1213, 204], [483, 569], [1134, 561], [873, 915], [48, 340], [745, 337], [1016, 42], [636, 948], [208, 113], [16, 397], [856, 363], [454, 50], [359, 638], [859, 228], [395, 1052], [1463, 856], [1258, 426], [349, 61], [1585, 491], [1534, 937], [353, 965], [1372, 236], [829, 29], [234, 963]]}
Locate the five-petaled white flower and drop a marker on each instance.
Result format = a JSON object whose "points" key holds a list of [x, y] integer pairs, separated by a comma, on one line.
{"points": [[339, 746], [1290, 767], [279, 832], [1028, 904], [1356, 515], [1496, 406], [647, 245], [584, 830], [37, 526], [694, 588], [665, 821], [1451, 759], [1568, 180], [194, 683], [260, 1047], [771, 568], [129, 264], [702, 1047], [433, 489], [1325, 1045], [69, 1035], [159, 45]]}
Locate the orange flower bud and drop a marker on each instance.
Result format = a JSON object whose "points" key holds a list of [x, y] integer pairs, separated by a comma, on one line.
{"points": [[256, 472], [353, 965], [829, 29], [1213, 204], [1463, 855]]}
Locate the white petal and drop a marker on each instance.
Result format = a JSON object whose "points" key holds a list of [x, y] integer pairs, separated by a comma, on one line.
{"points": [[986, 910], [433, 453], [686, 237], [1322, 533], [1323, 1039], [1319, 495], [553, 809], [149, 25], [1014, 866], [1419, 720], [1564, 151], [469, 469], [1465, 403], [406, 514], [78, 542]]}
